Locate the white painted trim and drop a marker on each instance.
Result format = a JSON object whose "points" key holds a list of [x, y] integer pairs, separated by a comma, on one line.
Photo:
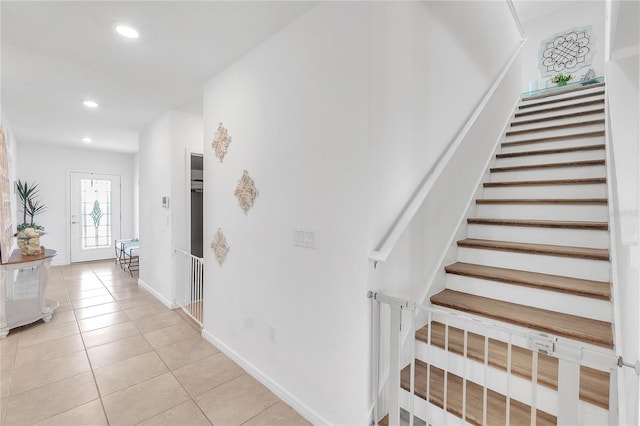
{"points": [[516, 18], [303, 409], [411, 208], [157, 295]]}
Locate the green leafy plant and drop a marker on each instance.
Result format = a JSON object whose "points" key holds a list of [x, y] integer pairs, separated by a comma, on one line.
{"points": [[30, 204], [561, 79]]}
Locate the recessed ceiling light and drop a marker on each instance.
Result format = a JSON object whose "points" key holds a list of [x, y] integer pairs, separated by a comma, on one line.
{"points": [[127, 31], [90, 104], [87, 140]]}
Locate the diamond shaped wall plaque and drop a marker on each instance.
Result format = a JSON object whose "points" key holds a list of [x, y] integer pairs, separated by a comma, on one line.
{"points": [[220, 246], [221, 142], [245, 192]]}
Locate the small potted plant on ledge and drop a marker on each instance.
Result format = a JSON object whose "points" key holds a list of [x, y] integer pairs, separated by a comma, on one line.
{"points": [[30, 205], [561, 79]]}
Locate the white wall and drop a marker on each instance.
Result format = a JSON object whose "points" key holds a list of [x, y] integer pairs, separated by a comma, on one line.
{"points": [[161, 162], [12, 162], [49, 166], [336, 118], [296, 108], [575, 14]]}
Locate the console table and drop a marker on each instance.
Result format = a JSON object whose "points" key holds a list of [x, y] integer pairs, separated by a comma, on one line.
{"points": [[15, 312]]}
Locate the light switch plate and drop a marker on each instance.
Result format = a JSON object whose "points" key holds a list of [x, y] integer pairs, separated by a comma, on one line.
{"points": [[307, 238]]}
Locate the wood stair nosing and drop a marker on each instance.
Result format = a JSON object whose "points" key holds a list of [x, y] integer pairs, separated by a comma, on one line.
{"points": [[548, 201], [561, 224], [539, 249], [586, 330], [555, 101], [579, 287], [520, 413], [551, 151], [554, 138], [562, 92], [594, 384], [559, 108], [556, 127], [581, 163], [557, 117], [579, 181]]}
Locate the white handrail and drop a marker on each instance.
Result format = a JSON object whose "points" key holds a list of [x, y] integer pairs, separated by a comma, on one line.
{"points": [[381, 253], [516, 18]]}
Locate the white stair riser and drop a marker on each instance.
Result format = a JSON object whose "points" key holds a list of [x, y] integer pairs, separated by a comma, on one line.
{"points": [[592, 140], [578, 172], [535, 105], [536, 235], [596, 154], [599, 213], [591, 111], [547, 191], [597, 270], [555, 133], [557, 122], [542, 299]]}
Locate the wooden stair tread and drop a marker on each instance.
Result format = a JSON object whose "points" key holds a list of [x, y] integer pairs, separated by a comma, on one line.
{"points": [[555, 101], [554, 138], [582, 329], [558, 117], [582, 163], [496, 403], [543, 249], [581, 181], [565, 201], [576, 286], [551, 151], [562, 92], [594, 384], [564, 224], [555, 127], [560, 107]]}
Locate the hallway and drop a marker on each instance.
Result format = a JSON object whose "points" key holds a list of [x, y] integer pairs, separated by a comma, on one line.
{"points": [[113, 354]]}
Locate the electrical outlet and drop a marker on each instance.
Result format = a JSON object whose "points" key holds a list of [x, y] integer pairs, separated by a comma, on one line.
{"points": [[307, 238]]}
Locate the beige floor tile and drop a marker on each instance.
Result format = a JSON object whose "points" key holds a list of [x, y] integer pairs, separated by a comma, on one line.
{"points": [[35, 374], [207, 373], [47, 401], [9, 343], [151, 397], [7, 361], [3, 409], [78, 275], [109, 334], [84, 294], [60, 317], [101, 321], [47, 350], [156, 322], [5, 383], [172, 334], [94, 311], [146, 311], [128, 372], [128, 293], [64, 307], [91, 301], [186, 413], [185, 352], [117, 351], [279, 414], [139, 302], [76, 286], [235, 402], [45, 332], [90, 413]]}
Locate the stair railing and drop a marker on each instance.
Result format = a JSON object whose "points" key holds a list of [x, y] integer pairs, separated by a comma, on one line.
{"points": [[394, 388], [406, 215], [190, 284]]}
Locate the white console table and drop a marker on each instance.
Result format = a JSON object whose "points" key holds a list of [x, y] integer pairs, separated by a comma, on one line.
{"points": [[15, 312]]}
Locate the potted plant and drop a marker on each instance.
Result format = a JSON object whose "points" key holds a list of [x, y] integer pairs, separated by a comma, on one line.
{"points": [[30, 205], [561, 79]]}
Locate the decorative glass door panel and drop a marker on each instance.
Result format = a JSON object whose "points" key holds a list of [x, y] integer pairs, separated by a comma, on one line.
{"points": [[95, 215]]}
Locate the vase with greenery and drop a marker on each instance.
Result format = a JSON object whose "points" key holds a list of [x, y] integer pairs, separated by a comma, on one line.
{"points": [[561, 79], [30, 205]]}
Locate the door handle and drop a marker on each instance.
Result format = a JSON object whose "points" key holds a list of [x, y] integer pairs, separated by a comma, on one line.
{"points": [[73, 223]]}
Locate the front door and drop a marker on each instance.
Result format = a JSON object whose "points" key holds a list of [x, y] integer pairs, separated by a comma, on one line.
{"points": [[95, 215]]}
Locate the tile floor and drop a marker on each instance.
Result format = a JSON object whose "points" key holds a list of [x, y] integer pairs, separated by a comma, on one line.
{"points": [[113, 354]]}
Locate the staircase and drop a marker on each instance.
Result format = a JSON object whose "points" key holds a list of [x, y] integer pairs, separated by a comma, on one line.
{"points": [[536, 259]]}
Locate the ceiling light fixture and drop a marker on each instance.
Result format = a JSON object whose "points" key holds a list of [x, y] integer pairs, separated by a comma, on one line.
{"points": [[127, 31], [87, 140], [90, 104]]}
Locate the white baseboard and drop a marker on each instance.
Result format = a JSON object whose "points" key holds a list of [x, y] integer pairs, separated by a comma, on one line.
{"points": [[157, 295], [303, 409]]}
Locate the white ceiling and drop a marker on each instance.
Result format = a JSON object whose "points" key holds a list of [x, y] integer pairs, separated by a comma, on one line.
{"points": [[57, 53], [529, 10]]}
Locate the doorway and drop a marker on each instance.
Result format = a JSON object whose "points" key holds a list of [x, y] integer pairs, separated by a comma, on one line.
{"points": [[197, 204], [94, 215]]}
